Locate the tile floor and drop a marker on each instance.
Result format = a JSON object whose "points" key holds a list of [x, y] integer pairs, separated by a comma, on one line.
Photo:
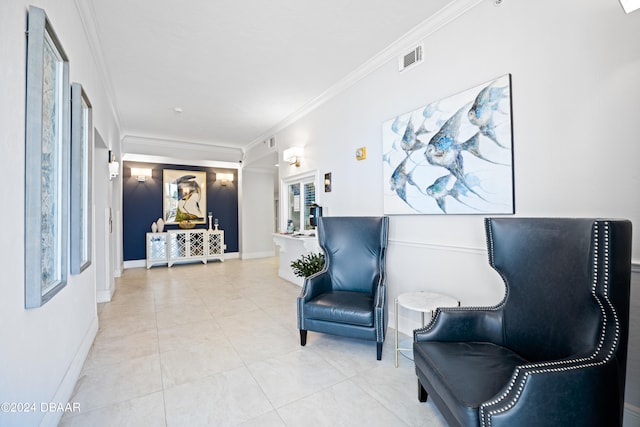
{"points": [[218, 345]]}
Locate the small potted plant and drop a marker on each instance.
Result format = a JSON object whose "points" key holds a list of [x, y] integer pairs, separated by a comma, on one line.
{"points": [[307, 265]]}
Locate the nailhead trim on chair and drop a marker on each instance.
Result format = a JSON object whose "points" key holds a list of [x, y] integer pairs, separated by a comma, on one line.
{"points": [[583, 362]]}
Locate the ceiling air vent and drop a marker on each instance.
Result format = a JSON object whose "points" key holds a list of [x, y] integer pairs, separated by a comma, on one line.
{"points": [[271, 143], [410, 59]]}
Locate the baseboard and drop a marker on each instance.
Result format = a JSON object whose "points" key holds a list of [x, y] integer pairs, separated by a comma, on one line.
{"points": [[136, 263], [254, 255], [631, 415], [232, 255], [105, 296], [68, 383]]}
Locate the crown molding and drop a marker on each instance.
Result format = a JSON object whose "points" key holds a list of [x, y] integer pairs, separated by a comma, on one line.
{"points": [[145, 158], [423, 30], [90, 25], [180, 150]]}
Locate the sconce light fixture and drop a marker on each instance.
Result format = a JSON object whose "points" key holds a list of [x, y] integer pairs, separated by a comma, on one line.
{"points": [[141, 173], [292, 155], [224, 178], [114, 166], [630, 5]]}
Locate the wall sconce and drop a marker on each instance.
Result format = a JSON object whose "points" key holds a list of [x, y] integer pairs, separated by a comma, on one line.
{"points": [[630, 5], [224, 178], [292, 155], [141, 173], [114, 166]]}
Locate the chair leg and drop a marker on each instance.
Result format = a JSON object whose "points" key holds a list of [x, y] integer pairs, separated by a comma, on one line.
{"points": [[303, 337], [379, 350], [422, 393]]}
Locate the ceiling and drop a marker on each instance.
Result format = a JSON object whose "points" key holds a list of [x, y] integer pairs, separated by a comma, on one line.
{"points": [[225, 73]]}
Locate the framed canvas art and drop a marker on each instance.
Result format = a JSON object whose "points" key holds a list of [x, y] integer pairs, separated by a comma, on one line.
{"points": [[452, 156], [81, 161], [185, 196], [47, 123]]}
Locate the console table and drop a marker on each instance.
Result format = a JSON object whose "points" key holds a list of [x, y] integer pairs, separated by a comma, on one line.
{"points": [[184, 245]]}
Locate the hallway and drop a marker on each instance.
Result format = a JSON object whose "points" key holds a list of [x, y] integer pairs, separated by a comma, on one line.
{"points": [[218, 345]]}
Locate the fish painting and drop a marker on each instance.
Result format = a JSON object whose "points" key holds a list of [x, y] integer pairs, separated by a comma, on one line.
{"points": [[453, 155], [486, 105]]}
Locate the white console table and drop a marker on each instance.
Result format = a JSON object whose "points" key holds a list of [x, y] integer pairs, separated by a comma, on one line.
{"points": [[184, 245]]}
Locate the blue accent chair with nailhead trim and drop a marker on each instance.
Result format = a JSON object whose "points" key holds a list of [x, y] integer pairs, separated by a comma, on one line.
{"points": [[348, 297], [553, 352]]}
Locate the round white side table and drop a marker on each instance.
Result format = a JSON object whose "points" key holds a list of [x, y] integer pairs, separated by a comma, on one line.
{"points": [[422, 302]]}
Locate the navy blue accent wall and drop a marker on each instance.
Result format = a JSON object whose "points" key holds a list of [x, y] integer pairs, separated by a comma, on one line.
{"points": [[142, 205]]}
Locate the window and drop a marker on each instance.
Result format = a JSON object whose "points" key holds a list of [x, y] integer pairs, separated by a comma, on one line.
{"points": [[300, 194]]}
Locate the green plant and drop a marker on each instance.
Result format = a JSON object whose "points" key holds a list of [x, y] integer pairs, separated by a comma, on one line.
{"points": [[307, 265]]}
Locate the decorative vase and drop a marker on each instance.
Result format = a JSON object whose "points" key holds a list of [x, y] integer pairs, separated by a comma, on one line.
{"points": [[160, 224], [154, 227]]}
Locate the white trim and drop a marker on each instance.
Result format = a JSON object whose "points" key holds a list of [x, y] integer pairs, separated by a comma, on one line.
{"points": [[171, 143], [136, 263], [254, 255], [438, 247], [90, 27], [301, 178], [67, 385], [444, 16], [173, 161], [187, 150], [105, 296]]}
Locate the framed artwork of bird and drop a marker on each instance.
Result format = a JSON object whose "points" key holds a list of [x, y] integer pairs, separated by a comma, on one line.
{"points": [[185, 196]]}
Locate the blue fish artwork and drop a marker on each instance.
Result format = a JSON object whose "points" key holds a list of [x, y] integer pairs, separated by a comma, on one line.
{"points": [[453, 155]]}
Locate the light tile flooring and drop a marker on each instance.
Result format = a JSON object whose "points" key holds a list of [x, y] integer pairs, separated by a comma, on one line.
{"points": [[218, 345]]}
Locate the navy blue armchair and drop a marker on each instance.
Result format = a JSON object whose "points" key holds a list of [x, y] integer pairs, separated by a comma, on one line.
{"points": [[349, 296], [553, 352]]}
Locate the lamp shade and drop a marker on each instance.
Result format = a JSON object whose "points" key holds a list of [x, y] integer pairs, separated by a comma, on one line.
{"points": [[141, 173], [224, 177]]}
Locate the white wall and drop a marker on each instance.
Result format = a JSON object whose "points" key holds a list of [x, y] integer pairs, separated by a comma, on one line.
{"points": [[257, 214], [576, 101], [43, 349]]}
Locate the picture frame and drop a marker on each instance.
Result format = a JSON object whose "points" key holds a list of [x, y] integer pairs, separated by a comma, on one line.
{"points": [[47, 137], [184, 196], [453, 155], [81, 179]]}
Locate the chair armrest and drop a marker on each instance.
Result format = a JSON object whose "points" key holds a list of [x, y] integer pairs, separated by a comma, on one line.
{"points": [[463, 324], [380, 308], [315, 285], [548, 394]]}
